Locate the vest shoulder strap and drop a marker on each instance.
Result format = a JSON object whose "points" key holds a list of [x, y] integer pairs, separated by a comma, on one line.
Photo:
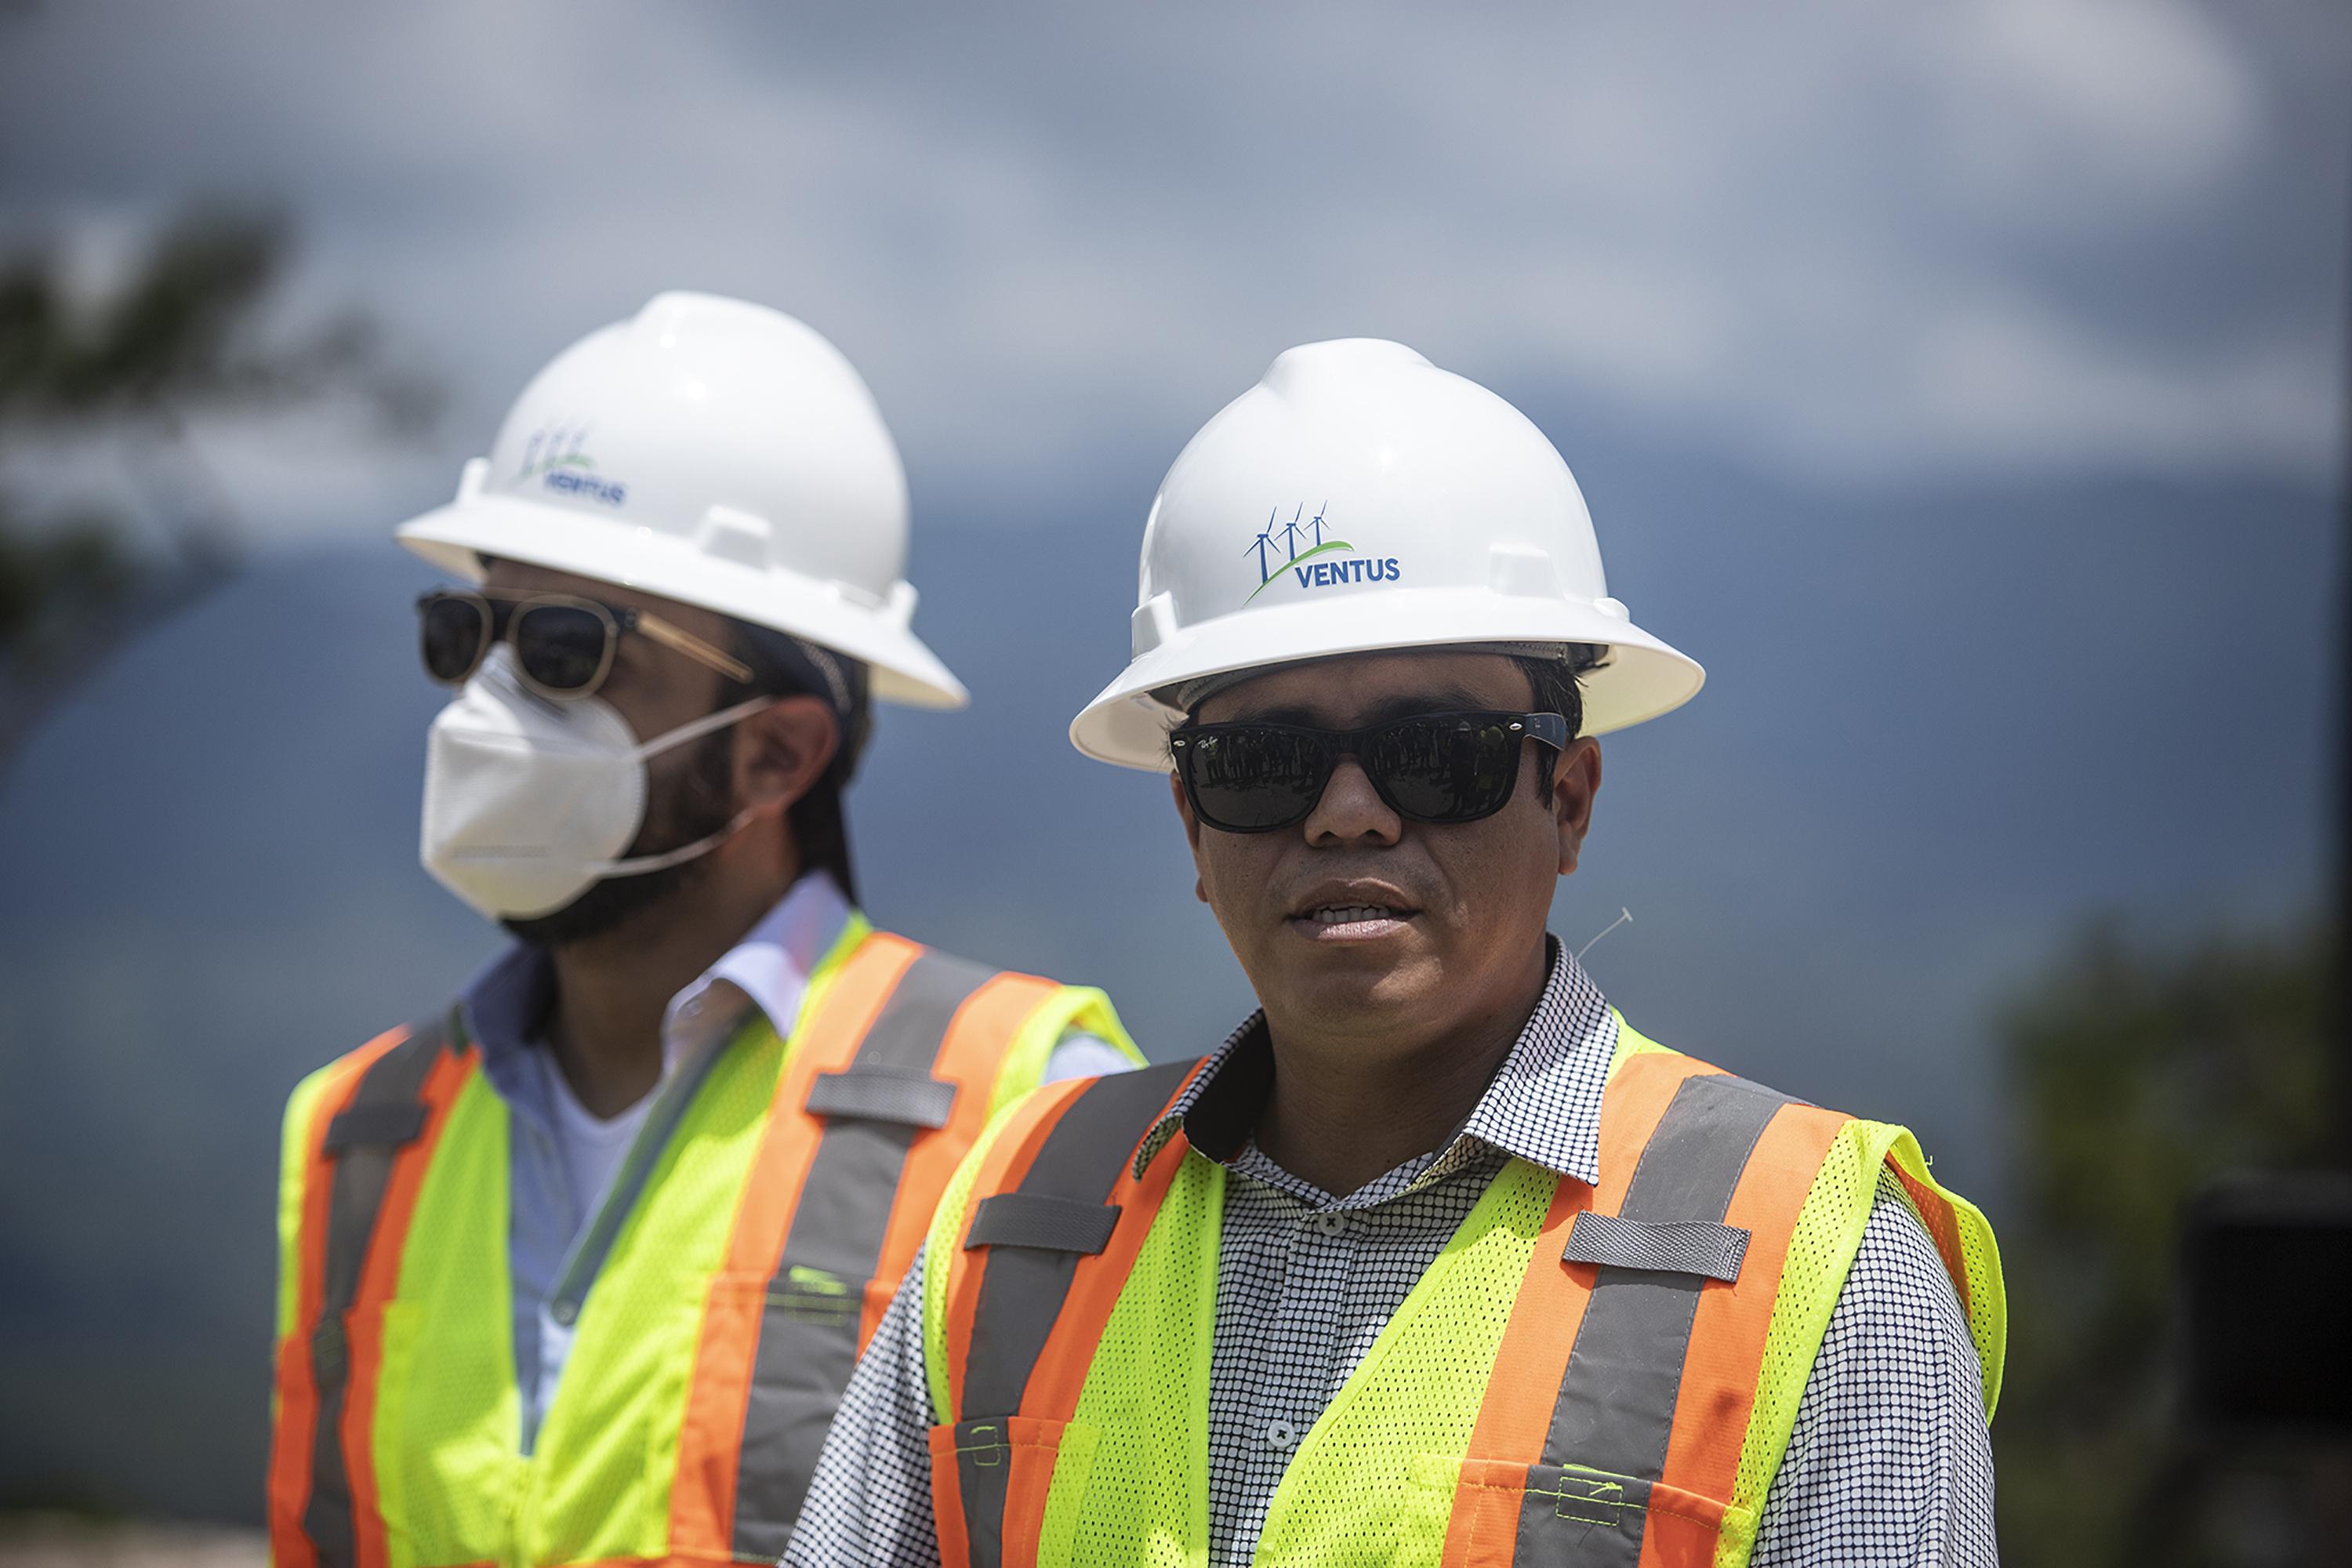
{"points": [[1063, 1198], [1615, 1419], [371, 1142], [886, 1085], [1060, 1209]]}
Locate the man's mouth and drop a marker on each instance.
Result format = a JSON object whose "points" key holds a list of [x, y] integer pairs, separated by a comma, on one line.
{"points": [[1354, 914], [1352, 922]]}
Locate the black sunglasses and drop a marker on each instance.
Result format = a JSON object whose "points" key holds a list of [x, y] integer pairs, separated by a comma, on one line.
{"points": [[563, 646], [1432, 767]]}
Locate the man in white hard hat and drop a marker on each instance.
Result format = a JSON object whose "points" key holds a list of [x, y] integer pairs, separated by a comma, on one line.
{"points": [[1435, 1259], [576, 1271]]}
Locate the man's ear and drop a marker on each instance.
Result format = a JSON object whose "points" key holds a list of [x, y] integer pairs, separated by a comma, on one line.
{"points": [[1575, 780], [782, 751]]}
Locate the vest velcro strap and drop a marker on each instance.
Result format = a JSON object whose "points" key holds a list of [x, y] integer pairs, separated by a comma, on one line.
{"points": [[872, 1094], [1695, 1246], [1587, 1497], [1036, 1220], [380, 1125]]}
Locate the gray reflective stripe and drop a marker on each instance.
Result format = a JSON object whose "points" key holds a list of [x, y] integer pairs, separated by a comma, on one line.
{"points": [[916, 1099], [363, 1125], [1033, 1219], [808, 1335], [1024, 1288], [1616, 1406], [1697, 1246], [362, 1171]]}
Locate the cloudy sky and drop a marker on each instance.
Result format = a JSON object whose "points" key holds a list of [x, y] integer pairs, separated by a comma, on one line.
{"points": [[1960, 383], [1865, 242]]}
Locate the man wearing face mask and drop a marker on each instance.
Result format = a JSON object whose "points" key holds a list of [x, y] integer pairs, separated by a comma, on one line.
{"points": [[576, 1271]]}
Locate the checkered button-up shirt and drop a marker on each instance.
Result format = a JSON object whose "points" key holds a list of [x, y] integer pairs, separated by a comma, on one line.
{"points": [[1890, 1462]]}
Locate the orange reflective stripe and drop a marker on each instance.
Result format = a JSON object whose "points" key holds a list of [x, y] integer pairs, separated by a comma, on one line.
{"points": [[1516, 1413], [1033, 1447], [948, 1521], [1007, 1161], [772, 1192], [297, 1394], [988, 1021], [379, 1283], [1730, 1329], [359, 1244], [1515, 1418], [702, 1497]]}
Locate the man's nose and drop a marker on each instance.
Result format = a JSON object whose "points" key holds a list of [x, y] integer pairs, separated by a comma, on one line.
{"points": [[1351, 811]]}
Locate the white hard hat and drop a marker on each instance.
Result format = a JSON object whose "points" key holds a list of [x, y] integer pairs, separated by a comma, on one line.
{"points": [[1360, 498], [714, 452]]}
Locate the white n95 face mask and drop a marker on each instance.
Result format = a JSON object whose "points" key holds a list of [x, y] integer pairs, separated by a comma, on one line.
{"points": [[528, 803]]}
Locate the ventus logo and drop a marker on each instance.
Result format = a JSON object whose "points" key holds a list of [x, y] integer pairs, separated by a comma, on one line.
{"points": [[553, 456], [1306, 550]]}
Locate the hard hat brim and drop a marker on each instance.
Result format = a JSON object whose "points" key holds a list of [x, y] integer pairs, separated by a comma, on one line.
{"points": [[455, 537], [1642, 678]]}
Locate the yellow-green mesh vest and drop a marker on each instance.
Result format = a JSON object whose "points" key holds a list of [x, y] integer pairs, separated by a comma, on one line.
{"points": [[1373, 1482], [451, 1484]]}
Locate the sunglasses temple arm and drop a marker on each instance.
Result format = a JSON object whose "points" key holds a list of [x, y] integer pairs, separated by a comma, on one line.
{"points": [[694, 647]]}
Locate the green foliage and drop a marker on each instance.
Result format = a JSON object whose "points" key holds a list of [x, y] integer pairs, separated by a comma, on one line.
{"points": [[67, 572], [170, 334], [2137, 1077], [190, 332]]}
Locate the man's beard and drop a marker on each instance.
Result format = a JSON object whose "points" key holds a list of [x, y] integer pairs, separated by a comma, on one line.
{"points": [[695, 806]]}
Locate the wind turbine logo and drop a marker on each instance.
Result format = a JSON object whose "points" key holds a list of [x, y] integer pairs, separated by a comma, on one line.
{"points": [[553, 446], [1290, 534]]}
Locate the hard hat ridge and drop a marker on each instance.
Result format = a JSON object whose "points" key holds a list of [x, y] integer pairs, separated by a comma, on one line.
{"points": [[1361, 498]]}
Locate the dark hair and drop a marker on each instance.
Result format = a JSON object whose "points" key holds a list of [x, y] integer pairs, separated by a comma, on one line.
{"points": [[1553, 681], [784, 665]]}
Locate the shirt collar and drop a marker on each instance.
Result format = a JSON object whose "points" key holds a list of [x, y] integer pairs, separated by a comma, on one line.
{"points": [[506, 1004], [770, 969], [1543, 1104]]}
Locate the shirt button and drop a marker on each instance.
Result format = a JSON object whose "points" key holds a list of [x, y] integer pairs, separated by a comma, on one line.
{"points": [[1282, 1435], [1331, 1224], [564, 1312]]}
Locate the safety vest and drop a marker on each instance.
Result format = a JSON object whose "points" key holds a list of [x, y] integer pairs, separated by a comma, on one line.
{"points": [[771, 1232], [1595, 1375]]}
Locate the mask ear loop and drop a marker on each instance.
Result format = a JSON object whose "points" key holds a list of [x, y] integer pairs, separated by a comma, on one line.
{"points": [[637, 866], [705, 725], [709, 723]]}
